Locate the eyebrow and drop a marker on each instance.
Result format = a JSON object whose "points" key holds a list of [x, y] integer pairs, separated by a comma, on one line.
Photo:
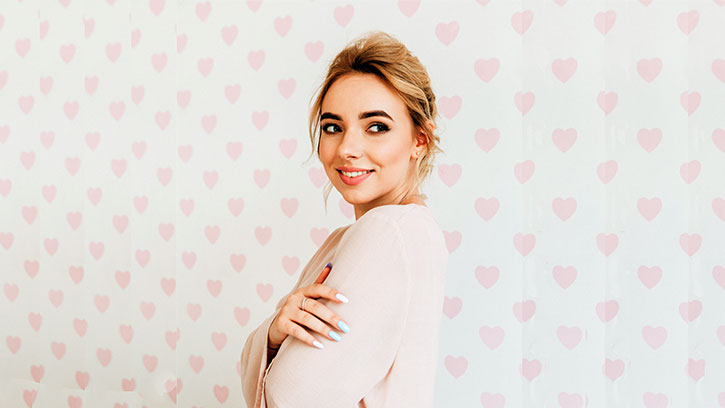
{"points": [[363, 115]]}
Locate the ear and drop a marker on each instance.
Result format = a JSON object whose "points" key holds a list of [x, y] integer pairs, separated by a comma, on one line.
{"points": [[421, 138]]}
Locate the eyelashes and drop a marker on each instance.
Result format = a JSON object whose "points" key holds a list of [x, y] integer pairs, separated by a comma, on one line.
{"points": [[381, 126]]}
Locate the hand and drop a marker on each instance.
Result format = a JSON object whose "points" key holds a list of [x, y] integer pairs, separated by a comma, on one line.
{"points": [[291, 320]]}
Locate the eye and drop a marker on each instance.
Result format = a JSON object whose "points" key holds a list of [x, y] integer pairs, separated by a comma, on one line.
{"points": [[324, 127], [383, 127]]}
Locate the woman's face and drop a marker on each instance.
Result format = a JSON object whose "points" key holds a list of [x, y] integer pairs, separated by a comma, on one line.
{"points": [[366, 125]]}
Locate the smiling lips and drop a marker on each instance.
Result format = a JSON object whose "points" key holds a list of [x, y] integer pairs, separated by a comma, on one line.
{"points": [[352, 181]]}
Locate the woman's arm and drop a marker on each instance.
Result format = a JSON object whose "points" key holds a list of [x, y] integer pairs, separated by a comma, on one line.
{"points": [[371, 269], [256, 356]]}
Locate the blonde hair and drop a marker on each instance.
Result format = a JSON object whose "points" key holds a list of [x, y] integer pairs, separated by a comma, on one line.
{"points": [[381, 54]]}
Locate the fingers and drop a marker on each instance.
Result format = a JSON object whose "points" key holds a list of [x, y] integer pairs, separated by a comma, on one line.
{"points": [[324, 273], [317, 316], [300, 333]]}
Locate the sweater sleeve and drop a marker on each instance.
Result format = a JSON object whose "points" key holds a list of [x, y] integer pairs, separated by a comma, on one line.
{"points": [[371, 269], [254, 361]]}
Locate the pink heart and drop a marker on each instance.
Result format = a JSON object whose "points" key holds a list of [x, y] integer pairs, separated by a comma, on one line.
{"points": [[564, 138], [487, 277], [408, 7], [689, 171], [156, 6], [607, 310], [447, 32], [607, 170], [219, 340], [214, 287], [521, 21], [194, 311], [689, 311], [564, 208], [450, 105], [569, 336], [486, 69], [570, 400], [696, 369], [148, 309], [76, 273], [286, 87], [489, 400], [492, 337], [524, 310], [456, 366], [289, 207], [648, 69], [690, 101], [255, 59], [687, 21], [158, 61], [524, 170], [242, 315], [313, 50], [290, 264], [487, 139], [80, 326], [261, 177], [604, 21], [288, 147], [343, 14], [690, 243], [449, 174], [607, 101], [530, 369], [264, 291], [524, 101], [122, 278], [486, 208], [453, 240], [168, 285], [35, 320], [282, 25], [524, 243], [607, 243], [564, 276], [649, 208], [263, 234], [563, 69], [654, 336], [56, 297], [58, 349], [649, 139], [649, 276], [260, 119], [452, 306], [229, 34], [203, 10], [613, 369]]}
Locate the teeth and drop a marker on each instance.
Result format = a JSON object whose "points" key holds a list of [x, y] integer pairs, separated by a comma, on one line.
{"points": [[355, 173]]}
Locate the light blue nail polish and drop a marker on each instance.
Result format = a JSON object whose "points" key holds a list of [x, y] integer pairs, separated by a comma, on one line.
{"points": [[343, 326], [335, 336], [342, 298]]}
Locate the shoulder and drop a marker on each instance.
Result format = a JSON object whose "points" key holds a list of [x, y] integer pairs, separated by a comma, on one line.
{"points": [[404, 223]]}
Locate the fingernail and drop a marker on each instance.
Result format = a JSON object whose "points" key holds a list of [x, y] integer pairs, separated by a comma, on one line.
{"points": [[318, 344], [343, 326], [342, 298], [329, 265], [335, 336]]}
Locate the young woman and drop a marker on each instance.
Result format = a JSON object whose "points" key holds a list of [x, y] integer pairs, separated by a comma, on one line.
{"points": [[377, 344]]}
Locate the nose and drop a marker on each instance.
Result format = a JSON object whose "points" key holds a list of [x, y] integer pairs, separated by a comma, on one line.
{"points": [[351, 144]]}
